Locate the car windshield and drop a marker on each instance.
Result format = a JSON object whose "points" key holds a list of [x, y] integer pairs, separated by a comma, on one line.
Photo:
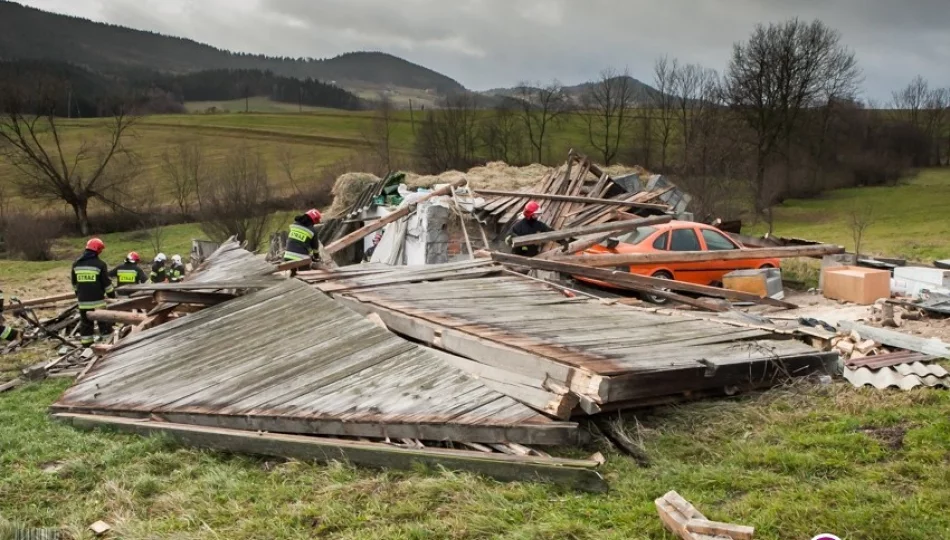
{"points": [[637, 236]]}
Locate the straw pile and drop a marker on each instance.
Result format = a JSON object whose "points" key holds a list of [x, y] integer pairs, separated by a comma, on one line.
{"points": [[347, 189], [494, 175]]}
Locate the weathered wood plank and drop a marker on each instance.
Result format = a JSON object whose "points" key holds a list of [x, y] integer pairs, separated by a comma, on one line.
{"points": [[702, 256], [573, 199], [612, 227], [579, 475]]}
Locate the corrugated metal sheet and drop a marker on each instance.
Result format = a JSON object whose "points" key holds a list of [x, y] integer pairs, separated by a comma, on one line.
{"points": [[903, 376], [290, 359]]}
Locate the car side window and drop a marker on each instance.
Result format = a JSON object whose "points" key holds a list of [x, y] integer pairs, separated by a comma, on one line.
{"points": [[685, 240], [716, 241], [660, 242]]}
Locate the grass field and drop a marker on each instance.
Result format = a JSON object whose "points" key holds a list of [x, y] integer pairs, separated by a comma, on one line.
{"points": [[793, 463], [910, 220]]}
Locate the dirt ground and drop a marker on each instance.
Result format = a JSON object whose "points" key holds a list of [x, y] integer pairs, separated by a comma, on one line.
{"points": [[816, 306]]}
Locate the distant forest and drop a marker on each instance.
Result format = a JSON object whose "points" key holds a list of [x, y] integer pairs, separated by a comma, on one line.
{"points": [[166, 93]]}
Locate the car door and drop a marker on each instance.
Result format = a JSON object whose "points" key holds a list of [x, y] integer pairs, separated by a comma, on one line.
{"points": [[714, 240], [686, 239]]}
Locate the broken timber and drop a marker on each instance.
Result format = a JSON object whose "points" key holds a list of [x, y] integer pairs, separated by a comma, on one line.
{"points": [[191, 297], [604, 354], [686, 522], [636, 282], [702, 256], [573, 199], [121, 317], [576, 474], [229, 366], [359, 234], [611, 227]]}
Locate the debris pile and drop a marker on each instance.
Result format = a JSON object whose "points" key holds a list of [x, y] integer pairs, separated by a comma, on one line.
{"points": [[685, 521]]}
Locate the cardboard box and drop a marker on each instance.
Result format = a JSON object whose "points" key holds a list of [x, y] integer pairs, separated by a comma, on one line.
{"points": [[855, 284], [763, 282]]}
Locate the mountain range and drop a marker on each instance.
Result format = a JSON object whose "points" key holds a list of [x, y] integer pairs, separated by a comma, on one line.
{"points": [[30, 34]]}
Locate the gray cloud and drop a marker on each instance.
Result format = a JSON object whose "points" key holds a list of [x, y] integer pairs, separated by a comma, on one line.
{"points": [[491, 43]]}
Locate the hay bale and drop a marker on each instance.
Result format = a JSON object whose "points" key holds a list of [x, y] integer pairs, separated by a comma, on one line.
{"points": [[347, 190]]}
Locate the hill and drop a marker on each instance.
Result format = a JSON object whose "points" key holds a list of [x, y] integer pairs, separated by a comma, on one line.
{"points": [[642, 91], [31, 34]]}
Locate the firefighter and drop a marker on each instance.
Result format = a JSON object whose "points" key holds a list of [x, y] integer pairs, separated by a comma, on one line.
{"points": [[7, 333], [177, 272], [529, 224], [129, 272], [90, 277], [302, 240], [158, 274]]}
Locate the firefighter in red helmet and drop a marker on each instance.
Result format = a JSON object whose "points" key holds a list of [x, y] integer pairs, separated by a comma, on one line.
{"points": [[528, 224], [302, 240], [91, 281]]}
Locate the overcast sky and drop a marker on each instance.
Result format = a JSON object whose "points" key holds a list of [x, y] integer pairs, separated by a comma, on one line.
{"points": [[492, 43]]}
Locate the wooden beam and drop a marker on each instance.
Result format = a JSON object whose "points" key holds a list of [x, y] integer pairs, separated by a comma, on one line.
{"points": [[573, 199], [10, 306], [718, 529], [612, 227], [580, 244], [293, 265], [206, 285], [702, 256], [359, 234], [527, 390], [10, 385], [635, 282], [190, 297], [576, 474], [900, 340], [139, 302], [122, 317]]}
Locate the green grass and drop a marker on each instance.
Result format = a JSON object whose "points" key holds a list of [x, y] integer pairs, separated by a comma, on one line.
{"points": [[910, 220], [861, 463]]}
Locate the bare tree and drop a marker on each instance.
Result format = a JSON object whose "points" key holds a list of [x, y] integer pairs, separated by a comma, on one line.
{"points": [[694, 90], [379, 134], [288, 164], [502, 133], [50, 165], [606, 108], [780, 72], [859, 219], [665, 74], [448, 138], [542, 107], [183, 166], [234, 199]]}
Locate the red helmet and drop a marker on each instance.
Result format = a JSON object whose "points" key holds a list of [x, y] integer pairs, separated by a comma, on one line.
{"points": [[95, 244], [531, 209], [314, 215], [133, 257]]}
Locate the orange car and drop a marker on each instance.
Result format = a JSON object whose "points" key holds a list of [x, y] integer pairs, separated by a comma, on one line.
{"points": [[679, 236]]}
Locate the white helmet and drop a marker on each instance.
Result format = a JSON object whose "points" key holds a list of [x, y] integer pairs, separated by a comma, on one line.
{"points": [[176, 259], [160, 257]]}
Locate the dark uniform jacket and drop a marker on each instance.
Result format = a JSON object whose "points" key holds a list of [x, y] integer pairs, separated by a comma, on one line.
{"points": [[524, 227], [128, 273], [302, 239], [158, 273], [176, 273], [90, 277]]}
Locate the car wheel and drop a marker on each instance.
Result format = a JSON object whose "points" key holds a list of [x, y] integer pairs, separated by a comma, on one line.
{"points": [[766, 266], [659, 300]]}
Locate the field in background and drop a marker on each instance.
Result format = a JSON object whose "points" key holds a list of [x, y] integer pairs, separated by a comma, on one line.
{"points": [[910, 220]]}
